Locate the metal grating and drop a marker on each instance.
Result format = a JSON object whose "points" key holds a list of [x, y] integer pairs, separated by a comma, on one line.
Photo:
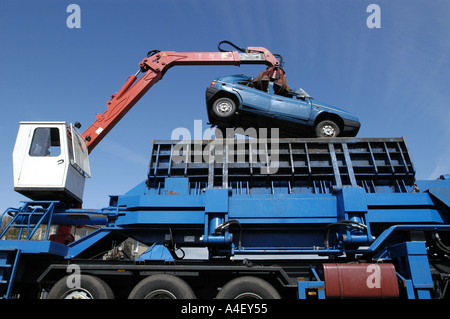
{"points": [[299, 165]]}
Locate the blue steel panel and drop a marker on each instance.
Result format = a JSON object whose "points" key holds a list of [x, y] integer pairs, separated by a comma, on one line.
{"points": [[398, 215], [428, 184], [176, 186], [174, 217], [162, 201], [34, 247], [399, 199], [320, 208], [443, 194], [353, 199], [403, 208], [293, 221], [415, 266], [77, 247], [216, 200], [280, 238], [156, 252], [389, 231]]}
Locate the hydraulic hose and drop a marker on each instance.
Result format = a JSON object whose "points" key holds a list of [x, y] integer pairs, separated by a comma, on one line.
{"points": [[219, 47], [231, 44], [225, 225], [444, 248], [152, 52]]}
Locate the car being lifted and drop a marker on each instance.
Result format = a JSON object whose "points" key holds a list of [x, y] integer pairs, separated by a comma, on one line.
{"points": [[240, 101]]}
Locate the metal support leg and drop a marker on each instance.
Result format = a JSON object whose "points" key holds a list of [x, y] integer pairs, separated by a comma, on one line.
{"points": [[412, 263]]}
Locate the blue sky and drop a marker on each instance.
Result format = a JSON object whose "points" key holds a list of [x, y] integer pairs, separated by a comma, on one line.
{"points": [[395, 79]]}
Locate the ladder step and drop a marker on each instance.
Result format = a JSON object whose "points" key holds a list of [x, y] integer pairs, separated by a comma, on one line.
{"points": [[7, 277]]}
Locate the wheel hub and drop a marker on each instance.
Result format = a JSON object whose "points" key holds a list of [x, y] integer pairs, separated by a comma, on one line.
{"points": [[78, 294], [224, 107], [160, 294], [328, 131]]}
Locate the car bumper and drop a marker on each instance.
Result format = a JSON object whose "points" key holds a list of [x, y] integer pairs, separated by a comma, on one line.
{"points": [[351, 128], [210, 92]]}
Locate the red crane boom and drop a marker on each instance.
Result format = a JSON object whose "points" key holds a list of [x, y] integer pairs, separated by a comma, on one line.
{"points": [[155, 67]]}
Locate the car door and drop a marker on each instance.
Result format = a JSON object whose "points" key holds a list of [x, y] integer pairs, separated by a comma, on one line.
{"points": [[253, 100], [290, 108]]}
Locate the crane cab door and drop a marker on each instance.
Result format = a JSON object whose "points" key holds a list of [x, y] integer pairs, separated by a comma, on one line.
{"points": [[46, 165], [43, 157]]}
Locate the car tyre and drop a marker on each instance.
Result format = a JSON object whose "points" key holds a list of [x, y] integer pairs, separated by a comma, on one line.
{"points": [[223, 108], [327, 128]]}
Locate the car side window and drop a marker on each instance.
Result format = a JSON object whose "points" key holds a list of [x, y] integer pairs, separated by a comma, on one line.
{"points": [[249, 84], [45, 142]]}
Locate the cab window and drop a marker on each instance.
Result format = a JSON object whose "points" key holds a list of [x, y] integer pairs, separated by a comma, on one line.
{"points": [[70, 145], [45, 142]]}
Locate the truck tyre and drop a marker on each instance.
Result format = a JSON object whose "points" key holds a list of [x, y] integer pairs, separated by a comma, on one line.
{"points": [[91, 287], [327, 128], [248, 288], [162, 286], [223, 108]]}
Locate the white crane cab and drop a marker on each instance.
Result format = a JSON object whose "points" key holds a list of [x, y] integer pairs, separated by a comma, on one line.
{"points": [[50, 162]]}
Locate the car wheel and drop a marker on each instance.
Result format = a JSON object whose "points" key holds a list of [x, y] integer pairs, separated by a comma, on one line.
{"points": [[327, 128], [223, 108]]}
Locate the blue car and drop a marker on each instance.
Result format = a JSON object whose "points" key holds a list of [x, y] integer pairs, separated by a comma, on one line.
{"points": [[233, 101]]}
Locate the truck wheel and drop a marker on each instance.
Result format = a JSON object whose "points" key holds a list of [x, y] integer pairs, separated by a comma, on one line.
{"points": [[248, 288], [223, 108], [327, 128], [162, 286], [91, 287]]}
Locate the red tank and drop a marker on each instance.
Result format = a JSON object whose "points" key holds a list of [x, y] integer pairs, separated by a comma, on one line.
{"points": [[360, 281]]}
